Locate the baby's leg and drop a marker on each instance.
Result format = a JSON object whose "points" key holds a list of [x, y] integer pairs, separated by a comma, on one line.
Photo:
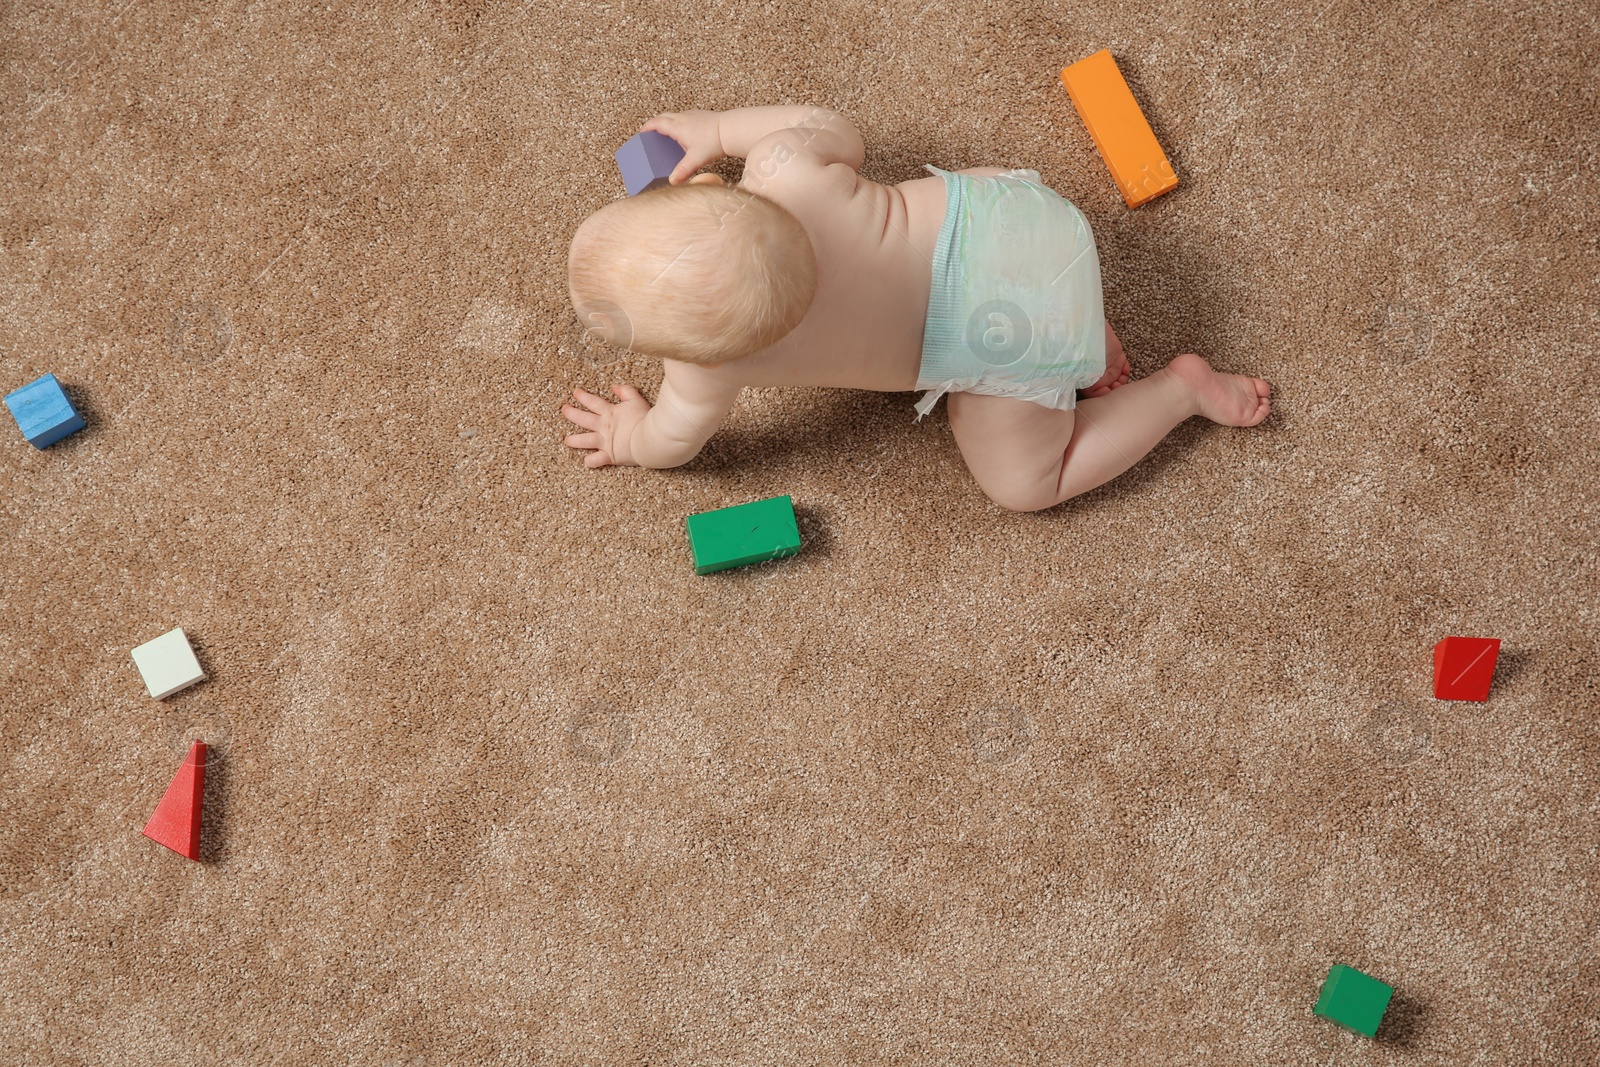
{"points": [[1027, 457]]}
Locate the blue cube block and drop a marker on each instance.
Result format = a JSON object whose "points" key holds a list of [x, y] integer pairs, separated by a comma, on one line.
{"points": [[43, 411], [646, 161]]}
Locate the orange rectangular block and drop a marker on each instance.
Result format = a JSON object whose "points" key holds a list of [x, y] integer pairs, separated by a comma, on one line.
{"points": [[1121, 134]]}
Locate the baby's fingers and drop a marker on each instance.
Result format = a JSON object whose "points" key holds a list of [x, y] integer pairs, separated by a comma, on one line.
{"points": [[677, 125], [596, 459], [688, 166], [696, 134], [627, 392], [661, 123], [583, 440], [590, 400], [587, 419]]}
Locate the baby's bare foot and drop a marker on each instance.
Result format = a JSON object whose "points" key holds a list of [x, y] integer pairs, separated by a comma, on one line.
{"points": [[1117, 371], [1229, 399]]}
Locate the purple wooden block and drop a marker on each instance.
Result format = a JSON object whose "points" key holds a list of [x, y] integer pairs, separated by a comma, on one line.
{"points": [[647, 160]]}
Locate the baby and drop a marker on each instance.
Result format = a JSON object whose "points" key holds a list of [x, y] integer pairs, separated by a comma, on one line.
{"points": [[982, 284]]}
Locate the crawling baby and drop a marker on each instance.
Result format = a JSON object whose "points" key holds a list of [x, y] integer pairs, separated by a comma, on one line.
{"points": [[979, 284]]}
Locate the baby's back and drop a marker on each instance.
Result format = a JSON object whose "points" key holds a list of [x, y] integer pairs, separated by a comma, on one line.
{"points": [[874, 246]]}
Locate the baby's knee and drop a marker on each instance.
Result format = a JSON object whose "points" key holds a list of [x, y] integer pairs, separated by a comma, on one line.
{"points": [[1023, 498]]}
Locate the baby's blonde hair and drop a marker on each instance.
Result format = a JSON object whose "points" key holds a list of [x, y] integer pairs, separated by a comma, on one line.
{"points": [[701, 273]]}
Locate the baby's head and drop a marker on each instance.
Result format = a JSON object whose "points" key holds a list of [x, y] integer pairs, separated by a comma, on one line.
{"points": [[699, 272]]}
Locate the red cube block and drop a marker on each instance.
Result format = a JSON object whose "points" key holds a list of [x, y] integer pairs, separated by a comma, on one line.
{"points": [[1463, 667]]}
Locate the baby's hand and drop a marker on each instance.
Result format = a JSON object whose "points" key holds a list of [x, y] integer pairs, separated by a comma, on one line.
{"points": [[697, 132], [612, 425]]}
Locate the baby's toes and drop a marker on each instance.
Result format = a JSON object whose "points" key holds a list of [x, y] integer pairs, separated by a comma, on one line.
{"points": [[1263, 409]]}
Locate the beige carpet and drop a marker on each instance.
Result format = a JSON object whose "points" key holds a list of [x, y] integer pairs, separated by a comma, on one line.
{"points": [[497, 779]]}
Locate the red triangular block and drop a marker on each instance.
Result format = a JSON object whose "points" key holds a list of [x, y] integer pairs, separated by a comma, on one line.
{"points": [[176, 822], [1463, 667]]}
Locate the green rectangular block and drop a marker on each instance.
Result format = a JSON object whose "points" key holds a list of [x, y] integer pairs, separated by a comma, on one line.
{"points": [[745, 533], [1353, 1000]]}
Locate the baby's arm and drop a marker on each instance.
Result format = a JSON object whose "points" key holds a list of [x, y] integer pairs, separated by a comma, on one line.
{"points": [[755, 133], [818, 130], [630, 432], [690, 407]]}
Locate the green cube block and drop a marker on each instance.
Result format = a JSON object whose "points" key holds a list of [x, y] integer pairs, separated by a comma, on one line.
{"points": [[745, 533], [1353, 1000]]}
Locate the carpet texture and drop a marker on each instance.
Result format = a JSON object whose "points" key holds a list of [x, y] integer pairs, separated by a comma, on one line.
{"points": [[497, 779]]}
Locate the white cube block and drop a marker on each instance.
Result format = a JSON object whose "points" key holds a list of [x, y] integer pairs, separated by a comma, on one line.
{"points": [[167, 664]]}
